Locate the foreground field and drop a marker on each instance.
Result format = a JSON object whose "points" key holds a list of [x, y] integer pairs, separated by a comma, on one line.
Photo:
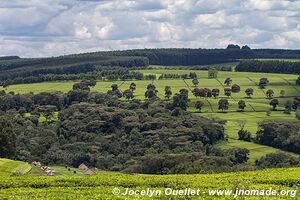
{"points": [[107, 185]]}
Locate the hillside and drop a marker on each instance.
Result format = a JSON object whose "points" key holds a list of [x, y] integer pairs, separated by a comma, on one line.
{"points": [[103, 185], [8, 167]]}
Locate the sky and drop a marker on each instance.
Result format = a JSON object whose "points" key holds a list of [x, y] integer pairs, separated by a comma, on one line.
{"points": [[40, 28]]}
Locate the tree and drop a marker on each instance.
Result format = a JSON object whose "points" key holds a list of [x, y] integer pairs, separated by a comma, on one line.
{"points": [[288, 106], [282, 93], [128, 94], [223, 104], [195, 82], [227, 92], [212, 73], [215, 92], [263, 82], [235, 88], [228, 81], [274, 103], [199, 92], [199, 104], [181, 100], [269, 93], [249, 92], [239, 155], [7, 138], [132, 87], [82, 85], [168, 92], [244, 135], [241, 105]]}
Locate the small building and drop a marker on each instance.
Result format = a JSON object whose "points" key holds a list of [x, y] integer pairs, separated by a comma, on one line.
{"points": [[82, 166], [89, 172]]}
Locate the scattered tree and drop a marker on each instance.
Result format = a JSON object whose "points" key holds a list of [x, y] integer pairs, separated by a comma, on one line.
{"points": [[263, 82], [199, 104], [241, 105], [274, 103], [223, 104], [227, 92], [270, 93], [228, 81], [168, 92], [195, 82], [249, 92]]}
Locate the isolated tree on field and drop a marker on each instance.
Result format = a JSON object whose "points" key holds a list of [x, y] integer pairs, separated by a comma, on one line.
{"points": [[181, 100], [168, 92], [263, 82], [208, 92], [227, 92], [128, 94], [296, 103], [193, 75], [228, 81], [241, 123], [83, 85], [274, 103], [212, 73], [270, 93], [249, 92], [215, 92], [223, 104], [114, 87], [198, 105], [151, 91], [282, 93], [115, 91], [151, 87], [241, 105], [195, 82], [235, 88], [132, 87], [196, 92], [7, 138], [288, 106], [184, 92]]}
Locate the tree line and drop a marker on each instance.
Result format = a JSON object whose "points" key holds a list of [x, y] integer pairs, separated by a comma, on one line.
{"points": [[268, 66]]}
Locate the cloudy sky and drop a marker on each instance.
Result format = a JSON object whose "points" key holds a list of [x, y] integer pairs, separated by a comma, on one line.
{"points": [[32, 28]]}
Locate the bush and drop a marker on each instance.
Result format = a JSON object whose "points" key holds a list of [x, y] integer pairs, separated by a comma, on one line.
{"points": [[274, 160], [244, 135]]}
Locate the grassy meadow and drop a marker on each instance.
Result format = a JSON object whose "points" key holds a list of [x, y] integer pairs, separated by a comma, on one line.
{"points": [[255, 111]]}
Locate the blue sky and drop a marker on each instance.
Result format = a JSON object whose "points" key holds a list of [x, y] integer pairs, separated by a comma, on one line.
{"points": [[36, 28]]}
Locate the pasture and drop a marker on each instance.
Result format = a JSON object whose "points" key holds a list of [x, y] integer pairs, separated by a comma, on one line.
{"points": [[255, 111], [8, 167]]}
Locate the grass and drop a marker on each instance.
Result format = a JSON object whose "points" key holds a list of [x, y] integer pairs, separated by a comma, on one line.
{"points": [[252, 119], [8, 167], [255, 111], [100, 186], [63, 171]]}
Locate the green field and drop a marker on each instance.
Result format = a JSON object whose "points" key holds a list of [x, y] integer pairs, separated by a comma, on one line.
{"points": [[255, 110], [101, 185], [8, 167]]}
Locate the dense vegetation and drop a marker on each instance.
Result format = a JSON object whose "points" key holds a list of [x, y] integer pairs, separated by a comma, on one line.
{"points": [[282, 135], [268, 66], [102, 131]]}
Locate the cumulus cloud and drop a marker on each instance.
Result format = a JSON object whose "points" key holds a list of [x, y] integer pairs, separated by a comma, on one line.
{"points": [[54, 27]]}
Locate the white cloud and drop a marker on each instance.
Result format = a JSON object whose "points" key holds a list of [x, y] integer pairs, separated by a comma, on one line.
{"points": [[54, 27]]}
